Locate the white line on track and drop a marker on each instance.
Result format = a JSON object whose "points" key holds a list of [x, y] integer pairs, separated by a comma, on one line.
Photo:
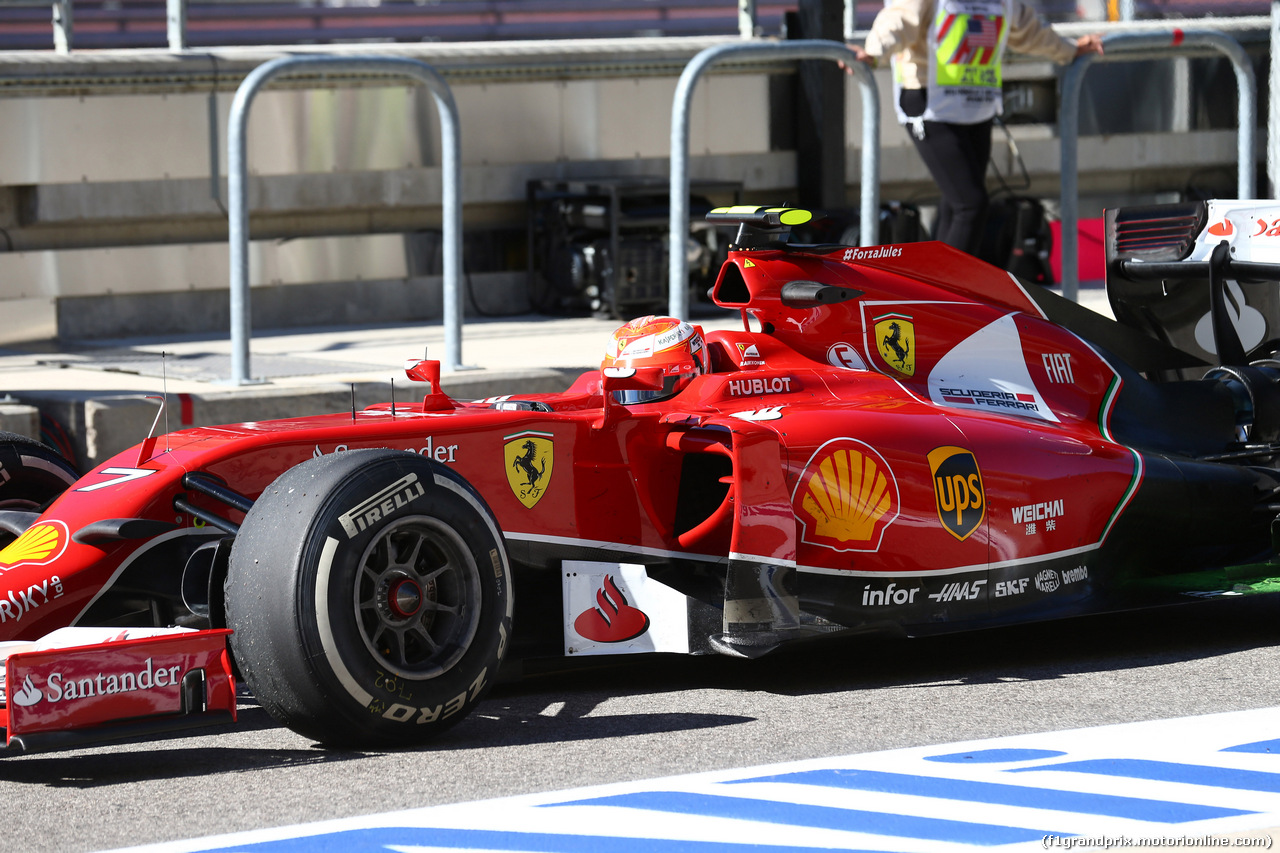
{"points": [[1171, 780]]}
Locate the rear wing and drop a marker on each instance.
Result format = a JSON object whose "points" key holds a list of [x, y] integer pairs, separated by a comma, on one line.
{"points": [[1203, 277]]}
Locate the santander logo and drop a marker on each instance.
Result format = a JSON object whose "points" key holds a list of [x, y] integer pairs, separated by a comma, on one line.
{"points": [[613, 619], [28, 695]]}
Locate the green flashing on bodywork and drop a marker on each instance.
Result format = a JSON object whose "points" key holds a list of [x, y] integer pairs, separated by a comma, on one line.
{"points": [[1107, 399], [1245, 579], [1134, 481]]}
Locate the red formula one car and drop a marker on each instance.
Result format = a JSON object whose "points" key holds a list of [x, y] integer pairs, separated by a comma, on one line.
{"points": [[901, 439]]}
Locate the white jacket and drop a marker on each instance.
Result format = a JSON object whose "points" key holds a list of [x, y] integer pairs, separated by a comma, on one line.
{"points": [[901, 31]]}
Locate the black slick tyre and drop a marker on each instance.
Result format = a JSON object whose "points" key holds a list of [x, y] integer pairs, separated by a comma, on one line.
{"points": [[31, 475], [370, 595]]}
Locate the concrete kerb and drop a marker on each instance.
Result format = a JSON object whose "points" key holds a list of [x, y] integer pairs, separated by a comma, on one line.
{"points": [[100, 426]]}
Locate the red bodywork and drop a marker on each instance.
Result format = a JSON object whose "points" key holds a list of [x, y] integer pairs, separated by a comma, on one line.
{"points": [[936, 432]]}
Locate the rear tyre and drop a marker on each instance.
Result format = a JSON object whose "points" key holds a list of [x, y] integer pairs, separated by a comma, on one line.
{"points": [[370, 596]]}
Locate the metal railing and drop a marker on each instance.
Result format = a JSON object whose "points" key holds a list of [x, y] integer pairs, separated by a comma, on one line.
{"points": [[176, 19], [238, 204], [63, 20], [131, 24], [677, 284], [469, 23], [1273, 105], [1131, 47]]}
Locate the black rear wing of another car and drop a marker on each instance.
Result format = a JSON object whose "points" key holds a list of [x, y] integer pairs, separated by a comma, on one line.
{"points": [[1183, 274]]}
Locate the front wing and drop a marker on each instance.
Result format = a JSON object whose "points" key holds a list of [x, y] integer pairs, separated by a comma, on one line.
{"points": [[82, 686]]}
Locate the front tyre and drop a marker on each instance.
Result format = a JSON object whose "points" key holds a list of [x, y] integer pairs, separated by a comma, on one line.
{"points": [[370, 595]]}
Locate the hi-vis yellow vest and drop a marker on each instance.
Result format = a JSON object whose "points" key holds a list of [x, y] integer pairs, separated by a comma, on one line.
{"points": [[966, 50]]}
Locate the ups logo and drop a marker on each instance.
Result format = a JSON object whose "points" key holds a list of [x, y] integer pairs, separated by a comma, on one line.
{"points": [[957, 489]]}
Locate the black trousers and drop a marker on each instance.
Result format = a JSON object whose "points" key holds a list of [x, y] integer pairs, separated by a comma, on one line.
{"points": [[956, 156]]}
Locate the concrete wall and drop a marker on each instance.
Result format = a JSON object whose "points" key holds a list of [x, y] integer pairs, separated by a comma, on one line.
{"points": [[81, 176]]}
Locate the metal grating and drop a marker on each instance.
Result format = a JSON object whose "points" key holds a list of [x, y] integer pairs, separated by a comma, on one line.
{"points": [[202, 366]]}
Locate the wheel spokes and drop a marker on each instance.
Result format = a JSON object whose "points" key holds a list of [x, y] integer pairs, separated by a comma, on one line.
{"points": [[412, 593], [440, 607], [412, 559]]}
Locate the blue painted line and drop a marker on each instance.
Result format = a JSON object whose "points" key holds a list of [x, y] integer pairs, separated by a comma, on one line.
{"points": [[1168, 771], [819, 817], [1271, 746], [997, 793], [995, 756], [383, 839]]}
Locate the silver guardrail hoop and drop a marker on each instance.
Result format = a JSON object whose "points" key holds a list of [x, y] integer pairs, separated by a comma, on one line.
{"points": [[760, 53], [238, 204], [63, 26], [1134, 47], [1273, 107], [176, 24], [747, 18]]}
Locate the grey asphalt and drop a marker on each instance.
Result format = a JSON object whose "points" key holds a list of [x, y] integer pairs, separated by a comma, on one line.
{"points": [[638, 718]]}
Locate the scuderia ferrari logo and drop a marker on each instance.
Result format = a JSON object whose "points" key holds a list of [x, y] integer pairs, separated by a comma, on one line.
{"points": [[957, 488], [896, 342], [530, 457]]}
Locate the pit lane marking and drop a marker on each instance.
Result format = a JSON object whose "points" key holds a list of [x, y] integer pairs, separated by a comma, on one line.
{"points": [[1185, 777]]}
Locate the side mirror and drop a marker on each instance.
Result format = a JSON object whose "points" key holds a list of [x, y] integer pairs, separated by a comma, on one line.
{"points": [[631, 379], [624, 379], [428, 370]]}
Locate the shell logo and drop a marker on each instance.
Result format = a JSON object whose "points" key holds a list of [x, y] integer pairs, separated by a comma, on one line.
{"points": [[846, 497], [39, 544]]}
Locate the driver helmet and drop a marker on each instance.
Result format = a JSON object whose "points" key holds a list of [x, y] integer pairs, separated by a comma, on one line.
{"points": [[651, 341]]}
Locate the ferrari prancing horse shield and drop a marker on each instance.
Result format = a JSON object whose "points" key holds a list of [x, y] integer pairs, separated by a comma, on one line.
{"points": [[530, 456], [896, 342]]}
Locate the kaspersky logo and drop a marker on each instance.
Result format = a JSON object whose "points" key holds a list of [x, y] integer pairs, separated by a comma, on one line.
{"points": [[40, 544], [846, 497], [957, 489]]}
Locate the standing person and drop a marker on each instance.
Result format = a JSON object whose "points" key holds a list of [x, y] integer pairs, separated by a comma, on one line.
{"points": [[947, 57]]}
